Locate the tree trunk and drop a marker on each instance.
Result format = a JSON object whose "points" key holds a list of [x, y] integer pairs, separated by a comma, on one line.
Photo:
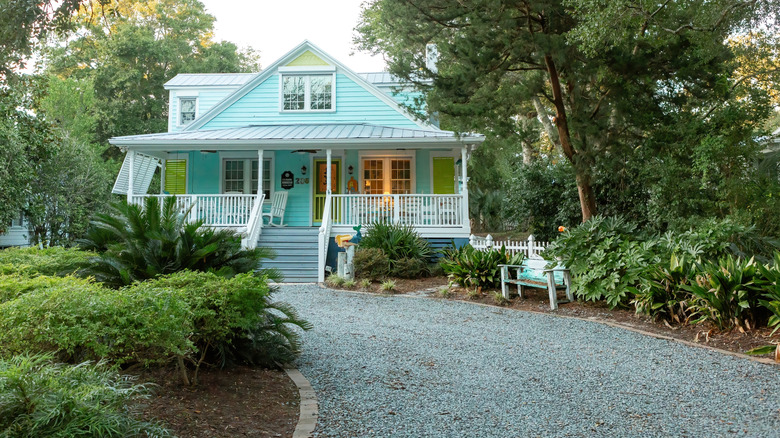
{"points": [[584, 188]]}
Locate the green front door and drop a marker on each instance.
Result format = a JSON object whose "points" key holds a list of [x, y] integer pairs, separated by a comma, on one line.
{"points": [[321, 185]]}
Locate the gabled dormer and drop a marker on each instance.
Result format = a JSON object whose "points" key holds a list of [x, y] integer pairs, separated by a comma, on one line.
{"points": [[304, 86]]}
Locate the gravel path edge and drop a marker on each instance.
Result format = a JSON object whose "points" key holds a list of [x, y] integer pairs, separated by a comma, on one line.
{"points": [[763, 360], [307, 418]]}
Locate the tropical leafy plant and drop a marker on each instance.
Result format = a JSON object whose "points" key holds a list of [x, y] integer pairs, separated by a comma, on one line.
{"points": [[40, 398], [398, 242], [143, 243], [474, 268], [388, 285], [727, 292], [661, 294], [771, 285], [607, 258]]}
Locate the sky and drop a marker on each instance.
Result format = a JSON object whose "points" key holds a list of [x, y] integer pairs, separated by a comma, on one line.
{"points": [[274, 27]]}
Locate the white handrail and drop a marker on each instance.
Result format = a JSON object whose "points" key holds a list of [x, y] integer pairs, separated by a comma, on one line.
{"points": [[324, 238], [255, 224], [217, 210]]}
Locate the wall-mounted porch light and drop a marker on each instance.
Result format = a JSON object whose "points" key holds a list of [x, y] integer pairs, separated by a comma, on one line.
{"points": [[350, 169], [303, 170]]}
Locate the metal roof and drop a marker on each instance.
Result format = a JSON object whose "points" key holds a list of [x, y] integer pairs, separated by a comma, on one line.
{"points": [[238, 79], [209, 79], [300, 133]]}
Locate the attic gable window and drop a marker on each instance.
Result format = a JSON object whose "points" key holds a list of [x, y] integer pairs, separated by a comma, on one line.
{"points": [[187, 107], [307, 92]]}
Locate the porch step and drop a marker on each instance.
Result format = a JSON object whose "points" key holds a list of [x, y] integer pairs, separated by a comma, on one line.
{"points": [[296, 252]]}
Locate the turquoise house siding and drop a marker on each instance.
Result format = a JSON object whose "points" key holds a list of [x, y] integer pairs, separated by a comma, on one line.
{"points": [[203, 175], [206, 100], [354, 104], [298, 197]]}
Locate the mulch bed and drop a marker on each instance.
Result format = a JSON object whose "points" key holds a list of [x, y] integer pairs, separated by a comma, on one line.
{"points": [[240, 401], [536, 300]]}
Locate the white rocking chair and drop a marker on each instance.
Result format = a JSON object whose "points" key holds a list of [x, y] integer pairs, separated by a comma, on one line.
{"points": [[278, 206]]}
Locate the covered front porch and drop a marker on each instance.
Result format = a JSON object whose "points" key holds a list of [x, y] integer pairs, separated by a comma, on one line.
{"points": [[363, 176]]}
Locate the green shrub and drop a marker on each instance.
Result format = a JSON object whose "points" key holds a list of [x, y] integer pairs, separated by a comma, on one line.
{"points": [[80, 320], [474, 268], [397, 241], [770, 283], [388, 286], [334, 280], [607, 258], [409, 268], [662, 294], [371, 263], [49, 261], [727, 293], [39, 398], [365, 283], [14, 286], [156, 240], [235, 319]]}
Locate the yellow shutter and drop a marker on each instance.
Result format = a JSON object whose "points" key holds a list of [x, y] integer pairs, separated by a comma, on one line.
{"points": [[443, 175], [176, 177]]}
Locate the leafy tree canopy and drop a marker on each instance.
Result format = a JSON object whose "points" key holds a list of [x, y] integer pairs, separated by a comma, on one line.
{"points": [[617, 78]]}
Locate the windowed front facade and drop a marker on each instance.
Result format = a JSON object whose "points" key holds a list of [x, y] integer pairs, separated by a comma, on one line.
{"points": [[387, 176], [242, 176], [187, 110], [307, 92]]}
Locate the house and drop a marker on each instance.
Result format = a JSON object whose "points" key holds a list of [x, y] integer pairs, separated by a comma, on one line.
{"points": [[16, 234], [336, 142]]}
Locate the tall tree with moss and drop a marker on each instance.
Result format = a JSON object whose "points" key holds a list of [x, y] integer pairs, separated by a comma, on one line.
{"points": [[606, 78]]}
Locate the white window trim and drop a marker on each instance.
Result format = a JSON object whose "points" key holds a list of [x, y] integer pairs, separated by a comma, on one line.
{"points": [[247, 172], [307, 94], [178, 109], [388, 155]]}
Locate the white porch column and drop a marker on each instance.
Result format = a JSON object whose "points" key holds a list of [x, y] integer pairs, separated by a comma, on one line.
{"points": [[259, 173], [130, 174], [327, 171], [162, 176], [465, 186]]}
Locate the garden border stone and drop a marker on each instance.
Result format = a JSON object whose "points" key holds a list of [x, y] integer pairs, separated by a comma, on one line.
{"points": [[307, 418]]}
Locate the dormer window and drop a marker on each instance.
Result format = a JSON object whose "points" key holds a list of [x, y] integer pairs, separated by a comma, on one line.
{"points": [[307, 92], [187, 106]]}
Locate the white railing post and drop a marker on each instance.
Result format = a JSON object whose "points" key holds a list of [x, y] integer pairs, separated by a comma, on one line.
{"points": [[324, 238], [465, 188], [396, 209], [472, 240], [130, 174], [162, 176], [329, 154], [531, 248], [489, 241], [193, 216]]}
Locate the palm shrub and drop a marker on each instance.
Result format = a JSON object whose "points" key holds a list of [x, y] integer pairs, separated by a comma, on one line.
{"points": [[142, 243], [727, 293], [40, 398], [397, 242], [474, 268], [661, 294]]}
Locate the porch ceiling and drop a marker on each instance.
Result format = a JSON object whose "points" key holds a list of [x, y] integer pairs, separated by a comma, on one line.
{"points": [[343, 136]]}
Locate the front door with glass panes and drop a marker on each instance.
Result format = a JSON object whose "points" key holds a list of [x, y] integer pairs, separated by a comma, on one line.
{"points": [[241, 176], [321, 185], [387, 176]]}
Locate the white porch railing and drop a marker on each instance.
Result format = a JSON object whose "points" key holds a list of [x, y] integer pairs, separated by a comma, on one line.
{"points": [[530, 247], [415, 210], [255, 225], [214, 210], [324, 239]]}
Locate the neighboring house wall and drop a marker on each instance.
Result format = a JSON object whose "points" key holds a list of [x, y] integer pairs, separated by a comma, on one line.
{"points": [[353, 103], [16, 235]]}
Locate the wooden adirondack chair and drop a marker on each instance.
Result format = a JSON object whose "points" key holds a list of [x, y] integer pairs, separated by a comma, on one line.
{"points": [[278, 206]]}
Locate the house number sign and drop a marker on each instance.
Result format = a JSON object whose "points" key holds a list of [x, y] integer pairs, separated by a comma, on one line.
{"points": [[287, 180]]}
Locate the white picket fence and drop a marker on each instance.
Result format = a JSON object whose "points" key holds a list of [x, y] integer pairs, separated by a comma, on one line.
{"points": [[530, 247]]}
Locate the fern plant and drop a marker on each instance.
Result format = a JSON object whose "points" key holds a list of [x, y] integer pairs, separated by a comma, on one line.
{"points": [[142, 243]]}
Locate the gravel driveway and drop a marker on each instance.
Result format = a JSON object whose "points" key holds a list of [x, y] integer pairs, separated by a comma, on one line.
{"points": [[411, 367]]}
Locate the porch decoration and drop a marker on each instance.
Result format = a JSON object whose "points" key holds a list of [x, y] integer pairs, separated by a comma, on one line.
{"points": [[287, 180]]}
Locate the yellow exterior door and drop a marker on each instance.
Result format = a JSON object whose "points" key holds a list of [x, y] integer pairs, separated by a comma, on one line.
{"points": [[321, 185]]}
